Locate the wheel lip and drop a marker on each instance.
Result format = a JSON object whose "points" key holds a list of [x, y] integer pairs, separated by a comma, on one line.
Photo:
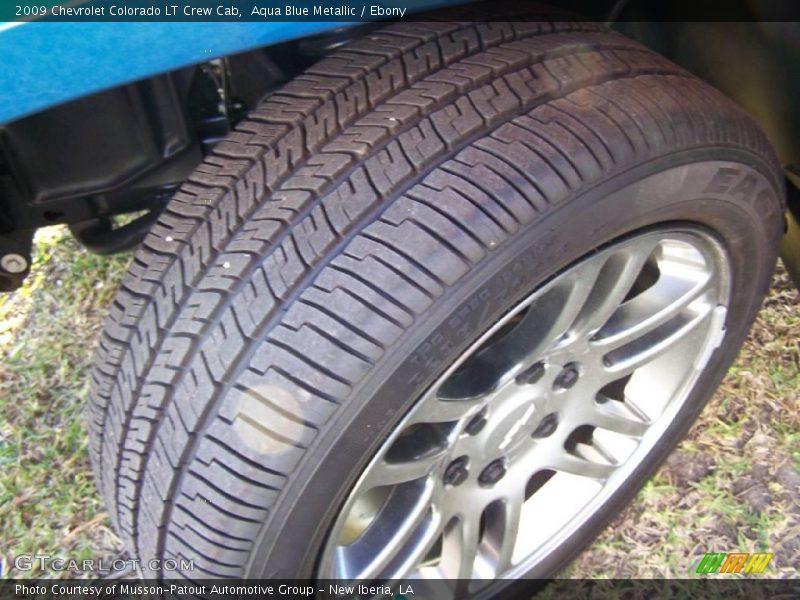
{"points": [[643, 451]]}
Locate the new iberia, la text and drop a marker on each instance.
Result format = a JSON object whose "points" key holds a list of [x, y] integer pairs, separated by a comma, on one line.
{"points": [[259, 590]]}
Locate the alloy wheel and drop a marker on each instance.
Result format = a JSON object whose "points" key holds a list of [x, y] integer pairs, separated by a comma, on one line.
{"points": [[539, 421]]}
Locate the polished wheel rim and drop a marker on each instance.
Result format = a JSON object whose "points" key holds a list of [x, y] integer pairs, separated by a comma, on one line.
{"points": [[541, 420]]}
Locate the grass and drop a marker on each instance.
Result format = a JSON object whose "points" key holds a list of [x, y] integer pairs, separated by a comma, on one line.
{"points": [[48, 504], [732, 484]]}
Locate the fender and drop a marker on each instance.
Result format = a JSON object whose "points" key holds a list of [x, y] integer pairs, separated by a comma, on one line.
{"points": [[45, 64], [49, 63]]}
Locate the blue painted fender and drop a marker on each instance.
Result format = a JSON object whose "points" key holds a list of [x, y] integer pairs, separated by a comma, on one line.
{"points": [[44, 64]]}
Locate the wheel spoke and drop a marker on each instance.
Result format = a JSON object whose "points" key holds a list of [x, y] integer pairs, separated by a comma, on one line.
{"points": [[401, 524], [612, 284], [573, 304], [549, 318], [393, 473], [665, 301], [614, 416], [685, 327], [512, 510], [460, 547], [542, 323], [436, 410], [569, 463], [417, 550], [470, 537]]}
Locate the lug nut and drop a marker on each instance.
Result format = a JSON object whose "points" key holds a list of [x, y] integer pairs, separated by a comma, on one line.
{"points": [[492, 473], [568, 377], [476, 423], [13, 263], [532, 374], [456, 472], [546, 426]]}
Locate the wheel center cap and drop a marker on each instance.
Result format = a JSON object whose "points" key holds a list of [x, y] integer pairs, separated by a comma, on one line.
{"points": [[511, 428]]}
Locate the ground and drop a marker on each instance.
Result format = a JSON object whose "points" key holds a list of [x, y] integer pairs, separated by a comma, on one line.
{"points": [[732, 485]]}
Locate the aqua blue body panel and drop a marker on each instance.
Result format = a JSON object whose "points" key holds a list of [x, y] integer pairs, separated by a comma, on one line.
{"points": [[44, 64]]}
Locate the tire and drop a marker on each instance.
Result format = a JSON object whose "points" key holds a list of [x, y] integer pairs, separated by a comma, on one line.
{"points": [[339, 251]]}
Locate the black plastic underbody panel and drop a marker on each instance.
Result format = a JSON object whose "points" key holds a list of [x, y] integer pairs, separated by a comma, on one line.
{"points": [[95, 156]]}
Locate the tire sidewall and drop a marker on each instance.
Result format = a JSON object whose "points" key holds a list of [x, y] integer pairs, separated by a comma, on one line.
{"points": [[690, 189]]}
